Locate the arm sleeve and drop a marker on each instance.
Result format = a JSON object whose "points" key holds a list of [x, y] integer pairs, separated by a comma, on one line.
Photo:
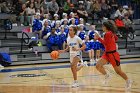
{"points": [[106, 39], [116, 38]]}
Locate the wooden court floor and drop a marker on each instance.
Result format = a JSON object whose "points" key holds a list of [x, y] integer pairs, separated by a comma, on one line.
{"points": [[57, 78]]}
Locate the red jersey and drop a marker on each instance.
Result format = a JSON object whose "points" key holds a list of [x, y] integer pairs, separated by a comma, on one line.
{"points": [[110, 54], [109, 41]]}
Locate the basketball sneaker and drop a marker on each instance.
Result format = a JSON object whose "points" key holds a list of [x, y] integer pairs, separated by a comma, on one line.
{"points": [[85, 63], [106, 80], [75, 84], [79, 67], [128, 85], [1, 67]]}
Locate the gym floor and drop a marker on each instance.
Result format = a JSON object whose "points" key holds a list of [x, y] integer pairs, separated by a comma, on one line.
{"points": [[57, 78]]}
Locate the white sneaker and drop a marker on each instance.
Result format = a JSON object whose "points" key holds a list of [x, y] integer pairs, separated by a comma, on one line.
{"points": [[1, 67], [74, 85], [128, 85], [85, 63], [90, 60], [107, 78]]}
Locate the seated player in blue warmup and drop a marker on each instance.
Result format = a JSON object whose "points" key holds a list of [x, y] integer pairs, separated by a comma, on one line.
{"points": [[37, 25], [46, 17], [88, 49], [52, 39], [91, 34], [66, 27], [64, 16], [54, 21], [46, 28], [63, 37], [81, 33], [97, 48], [75, 17], [72, 22], [57, 26], [82, 22]]}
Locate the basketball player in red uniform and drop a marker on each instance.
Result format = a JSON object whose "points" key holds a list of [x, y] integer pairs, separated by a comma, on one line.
{"points": [[110, 54]]}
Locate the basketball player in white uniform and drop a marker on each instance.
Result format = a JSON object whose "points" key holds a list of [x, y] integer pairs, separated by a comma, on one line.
{"points": [[73, 42]]}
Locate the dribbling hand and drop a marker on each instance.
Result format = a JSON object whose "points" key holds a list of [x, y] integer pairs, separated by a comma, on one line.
{"points": [[61, 51]]}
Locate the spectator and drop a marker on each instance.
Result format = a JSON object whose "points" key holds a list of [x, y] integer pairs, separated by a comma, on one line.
{"points": [[118, 12], [30, 12], [22, 15], [95, 46], [53, 7], [46, 28], [130, 13], [72, 10], [46, 18], [125, 10], [28, 3], [81, 33], [54, 21], [120, 25], [38, 4], [19, 7], [88, 5], [4, 7], [72, 22], [105, 9], [128, 24], [96, 9], [57, 26], [81, 21], [82, 13], [88, 49], [66, 27], [62, 36], [67, 6], [114, 5], [44, 6], [37, 25], [65, 16]]}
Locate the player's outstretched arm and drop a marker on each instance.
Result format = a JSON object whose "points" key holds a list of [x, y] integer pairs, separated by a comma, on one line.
{"points": [[62, 51]]}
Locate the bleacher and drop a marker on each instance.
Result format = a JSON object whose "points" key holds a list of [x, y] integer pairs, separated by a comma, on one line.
{"points": [[12, 44]]}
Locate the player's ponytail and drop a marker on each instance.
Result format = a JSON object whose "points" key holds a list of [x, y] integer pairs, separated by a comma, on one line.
{"points": [[110, 26]]}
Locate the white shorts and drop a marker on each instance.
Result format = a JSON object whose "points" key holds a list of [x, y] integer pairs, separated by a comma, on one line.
{"points": [[75, 55]]}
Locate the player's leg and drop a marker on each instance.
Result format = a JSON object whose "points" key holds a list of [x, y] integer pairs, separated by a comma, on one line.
{"points": [[74, 63], [124, 76], [89, 54], [99, 66], [97, 54], [92, 54], [100, 63]]}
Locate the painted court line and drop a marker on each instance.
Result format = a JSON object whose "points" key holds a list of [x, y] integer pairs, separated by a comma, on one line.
{"points": [[54, 67]]}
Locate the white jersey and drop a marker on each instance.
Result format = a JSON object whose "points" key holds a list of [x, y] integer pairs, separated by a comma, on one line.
{"points": [[74, 42]]}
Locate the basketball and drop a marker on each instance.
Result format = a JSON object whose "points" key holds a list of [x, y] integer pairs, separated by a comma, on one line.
{"points": [[54, 55]]}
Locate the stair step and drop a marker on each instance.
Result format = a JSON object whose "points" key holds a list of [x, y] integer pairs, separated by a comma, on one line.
{"points": [[23, 51], [29, 58], [27, 55]]}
